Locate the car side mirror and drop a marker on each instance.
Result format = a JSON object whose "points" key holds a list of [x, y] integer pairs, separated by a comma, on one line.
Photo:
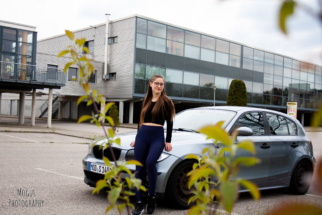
{"points": [[245, 131]]}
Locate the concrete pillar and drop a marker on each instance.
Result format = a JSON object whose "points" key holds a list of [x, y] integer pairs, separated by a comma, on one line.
{"points": [[0, 105], [302, 119], [131, 110], [121, 110], [50, 107], [21, 109], [103, 107], [60, 110], [33, 108]]}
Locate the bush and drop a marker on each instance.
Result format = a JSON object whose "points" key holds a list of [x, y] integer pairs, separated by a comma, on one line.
{"points": [[237, 95], [114, 114]]}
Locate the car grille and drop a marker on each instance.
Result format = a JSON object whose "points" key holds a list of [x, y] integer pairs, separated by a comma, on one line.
{"points": [[92, 176], [107, 152]]}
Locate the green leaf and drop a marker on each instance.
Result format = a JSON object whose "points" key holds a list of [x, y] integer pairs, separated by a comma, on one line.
{"points": [[74, 55], [247, 145], [253, 189], [128, 181], [286, 10], [204, 150], [110, 132], [195, 166], [142, 188], [67, 66], [69, 34], [81, 42], [247, 161], [107, 161], [110, 120], [62, 53], [113, 195], [133, 162], [84, 118], [86, 88], [216, 133], [192, 156], [195, 210], [80, 99], [198, 174], [107, 106], [108, 209], [100, 185], [229, 192]]}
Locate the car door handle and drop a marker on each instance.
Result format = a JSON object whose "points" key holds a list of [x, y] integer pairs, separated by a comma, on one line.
{"points": [[294, 145], [265, 146]]}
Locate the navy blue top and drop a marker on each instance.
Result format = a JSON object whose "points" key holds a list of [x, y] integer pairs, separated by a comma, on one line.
{"points": [[159, 119]]}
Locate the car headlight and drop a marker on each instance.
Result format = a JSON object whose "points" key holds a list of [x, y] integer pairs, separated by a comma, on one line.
{"points": [[130, 156], [90, 148]]}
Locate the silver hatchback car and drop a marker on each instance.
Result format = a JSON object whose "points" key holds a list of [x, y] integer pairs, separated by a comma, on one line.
{"points": [[281, 144]]}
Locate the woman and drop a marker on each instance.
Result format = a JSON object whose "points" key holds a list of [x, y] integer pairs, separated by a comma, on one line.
{"points": [[149, 142]]}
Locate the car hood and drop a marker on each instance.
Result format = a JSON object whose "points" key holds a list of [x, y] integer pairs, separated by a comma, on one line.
{"points": [[182, 142]]}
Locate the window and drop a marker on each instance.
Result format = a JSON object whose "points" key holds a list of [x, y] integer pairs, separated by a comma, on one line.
{"points": [[174, 48], [287, 63], [9, 40], [140, 41], [278, 60], [253, 120], [152, 70], [72, 74], [92, 77], [90, 46], [248, 52], [156, 29], [156, 44], [174, 76], [234, 61], [287, 72], [112, 76], [269, 68], [112, 40], [192, 38], [222, 46], [52, 68], [235, 49], [208, 42], [249, 86], [191, 78], [207, 80], [296, 65], [221, 83], [292, 127], [192, 52], [207, 55], [277, 124], [139, 71], [278, 70], [175, 34], [268, 79], [258, 66], [248, 64], [141, 26], [257, 87], [222, 58], [269, 58], [258, 55]]}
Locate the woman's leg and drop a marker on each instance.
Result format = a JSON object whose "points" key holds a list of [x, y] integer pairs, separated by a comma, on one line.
{"points": [[155, 150], [141, 150]]}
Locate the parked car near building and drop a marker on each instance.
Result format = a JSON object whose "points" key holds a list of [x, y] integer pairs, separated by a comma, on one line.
{"points": [[281, 144]]}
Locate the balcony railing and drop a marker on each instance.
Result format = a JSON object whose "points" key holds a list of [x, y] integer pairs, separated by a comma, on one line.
{"points": [[30, 74]]}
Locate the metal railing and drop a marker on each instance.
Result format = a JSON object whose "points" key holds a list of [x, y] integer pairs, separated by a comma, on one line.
{"points": [[55, 105], [30, 73]]}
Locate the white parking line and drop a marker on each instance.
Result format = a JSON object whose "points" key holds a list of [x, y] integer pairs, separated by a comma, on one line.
{"points": [[313, 195], [20, 138], [69, 176]]}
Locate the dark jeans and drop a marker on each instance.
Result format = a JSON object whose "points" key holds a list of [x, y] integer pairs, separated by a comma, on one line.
{"points": [[149, 144]]}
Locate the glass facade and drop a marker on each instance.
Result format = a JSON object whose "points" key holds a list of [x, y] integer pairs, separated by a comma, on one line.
{"points": [[17, 53], [192, 63]]}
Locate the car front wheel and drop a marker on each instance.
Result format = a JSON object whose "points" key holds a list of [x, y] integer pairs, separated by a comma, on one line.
{"points": [[301, 178], [177, 192]]}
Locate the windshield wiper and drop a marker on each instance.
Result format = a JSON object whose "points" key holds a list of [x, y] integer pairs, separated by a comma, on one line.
{"points": [[185, 129]]}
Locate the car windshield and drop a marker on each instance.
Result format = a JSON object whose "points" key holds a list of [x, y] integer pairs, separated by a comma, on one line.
{"points": [[196, 119]]}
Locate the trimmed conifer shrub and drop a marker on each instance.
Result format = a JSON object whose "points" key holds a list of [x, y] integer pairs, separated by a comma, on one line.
{"points": [[237, 95]]}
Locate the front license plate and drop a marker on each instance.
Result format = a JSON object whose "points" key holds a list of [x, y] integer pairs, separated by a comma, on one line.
{"points": [[99, 168]]}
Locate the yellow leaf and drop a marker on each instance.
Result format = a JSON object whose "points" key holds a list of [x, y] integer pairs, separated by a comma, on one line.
{"points": [[67, 66], [107, 161], [110, 132], [108, 209], [204, 150], [80, 99], [62, 53], [198, 174], [118, 141], [84, 118], [110, 120], [247, 145], [99, 185], [94, 92], [81, 42], [69, 34], [192, 156], [74, 55], [113, 195], [216, 133], [133, 162], [108, 106], [85, 49], [253, 189], [229, 192], [89, 102], [86, 88], [247, 161], [286, 10]]}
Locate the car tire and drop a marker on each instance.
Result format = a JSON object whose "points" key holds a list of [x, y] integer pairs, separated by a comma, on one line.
{"points": [[300, 184], [177, 192]]}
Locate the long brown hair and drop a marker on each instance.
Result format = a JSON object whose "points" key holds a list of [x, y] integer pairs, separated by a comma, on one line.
{"points": [[161, 103]]}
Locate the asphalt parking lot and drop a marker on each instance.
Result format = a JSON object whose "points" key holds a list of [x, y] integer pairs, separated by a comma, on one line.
{"points": [[44, 172]]}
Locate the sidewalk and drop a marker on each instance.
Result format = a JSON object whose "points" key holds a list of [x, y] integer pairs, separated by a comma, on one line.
{"points": [[70, 128]]}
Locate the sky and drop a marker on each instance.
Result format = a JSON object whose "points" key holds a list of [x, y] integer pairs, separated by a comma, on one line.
{"points": [[250, 22]]}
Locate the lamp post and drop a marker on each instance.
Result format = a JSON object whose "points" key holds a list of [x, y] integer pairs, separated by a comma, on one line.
{"points": [[214, 95]]}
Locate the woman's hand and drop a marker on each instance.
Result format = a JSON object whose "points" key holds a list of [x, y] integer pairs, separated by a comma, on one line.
{"points": [[168, 147], [132, 144]]}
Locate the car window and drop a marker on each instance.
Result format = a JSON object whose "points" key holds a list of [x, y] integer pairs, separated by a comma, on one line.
{"points": [[277, 124], [253, 120], [292, 127]]}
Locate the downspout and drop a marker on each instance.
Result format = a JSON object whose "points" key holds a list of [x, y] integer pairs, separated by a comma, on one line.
{"points": [[105, 75]]}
